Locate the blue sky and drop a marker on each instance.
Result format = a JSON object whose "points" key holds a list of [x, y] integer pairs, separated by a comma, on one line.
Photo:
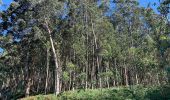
{"points": [[6, 2], [145, 3], [142, 3]]}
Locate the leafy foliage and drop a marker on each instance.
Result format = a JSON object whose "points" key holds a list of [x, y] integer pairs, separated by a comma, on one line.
{"points": [[64, 45]]}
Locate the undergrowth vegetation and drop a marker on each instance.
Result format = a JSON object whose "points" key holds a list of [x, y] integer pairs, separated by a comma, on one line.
{"points": [[122, 93]]}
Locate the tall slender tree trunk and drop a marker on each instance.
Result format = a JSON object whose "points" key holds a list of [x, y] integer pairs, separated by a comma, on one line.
{"points": [[47, 71], [107, 78], [74, 74], [39, 81], [87, 43], [116, 76], [70, 80], [28, 86], [97, 58], [137, 80], [86, 81], [126, 74], [136, 76], [157, 76], [27, 77], [93, 77], [57, 79], [87, 65]]}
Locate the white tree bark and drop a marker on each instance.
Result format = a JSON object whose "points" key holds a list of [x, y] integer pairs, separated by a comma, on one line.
{"points": [[57, 79]]}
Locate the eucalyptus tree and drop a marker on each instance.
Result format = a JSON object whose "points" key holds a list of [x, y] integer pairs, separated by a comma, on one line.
{"points": [[164, 9], [60, 45], [46, 14], [126, 21], [86, 33], [136, 38], [40, 19]]}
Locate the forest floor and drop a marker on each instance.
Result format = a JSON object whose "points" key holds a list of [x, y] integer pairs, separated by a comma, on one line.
{"points": [[122, 93]]}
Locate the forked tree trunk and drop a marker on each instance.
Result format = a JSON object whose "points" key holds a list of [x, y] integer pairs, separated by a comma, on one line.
{"points": [[57, 79]]}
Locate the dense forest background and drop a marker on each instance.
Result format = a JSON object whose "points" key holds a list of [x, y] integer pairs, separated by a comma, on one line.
{"points": [[51, 46]]}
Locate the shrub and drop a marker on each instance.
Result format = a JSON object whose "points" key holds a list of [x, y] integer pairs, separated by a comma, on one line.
{"points": [[159, 93]]}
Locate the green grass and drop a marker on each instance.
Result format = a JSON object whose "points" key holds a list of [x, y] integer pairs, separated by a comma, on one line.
{"points": [[130, 93]]}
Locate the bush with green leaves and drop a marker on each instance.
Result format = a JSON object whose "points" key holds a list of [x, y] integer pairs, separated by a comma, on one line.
{"points": [[158, 93], [122, 93]]}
